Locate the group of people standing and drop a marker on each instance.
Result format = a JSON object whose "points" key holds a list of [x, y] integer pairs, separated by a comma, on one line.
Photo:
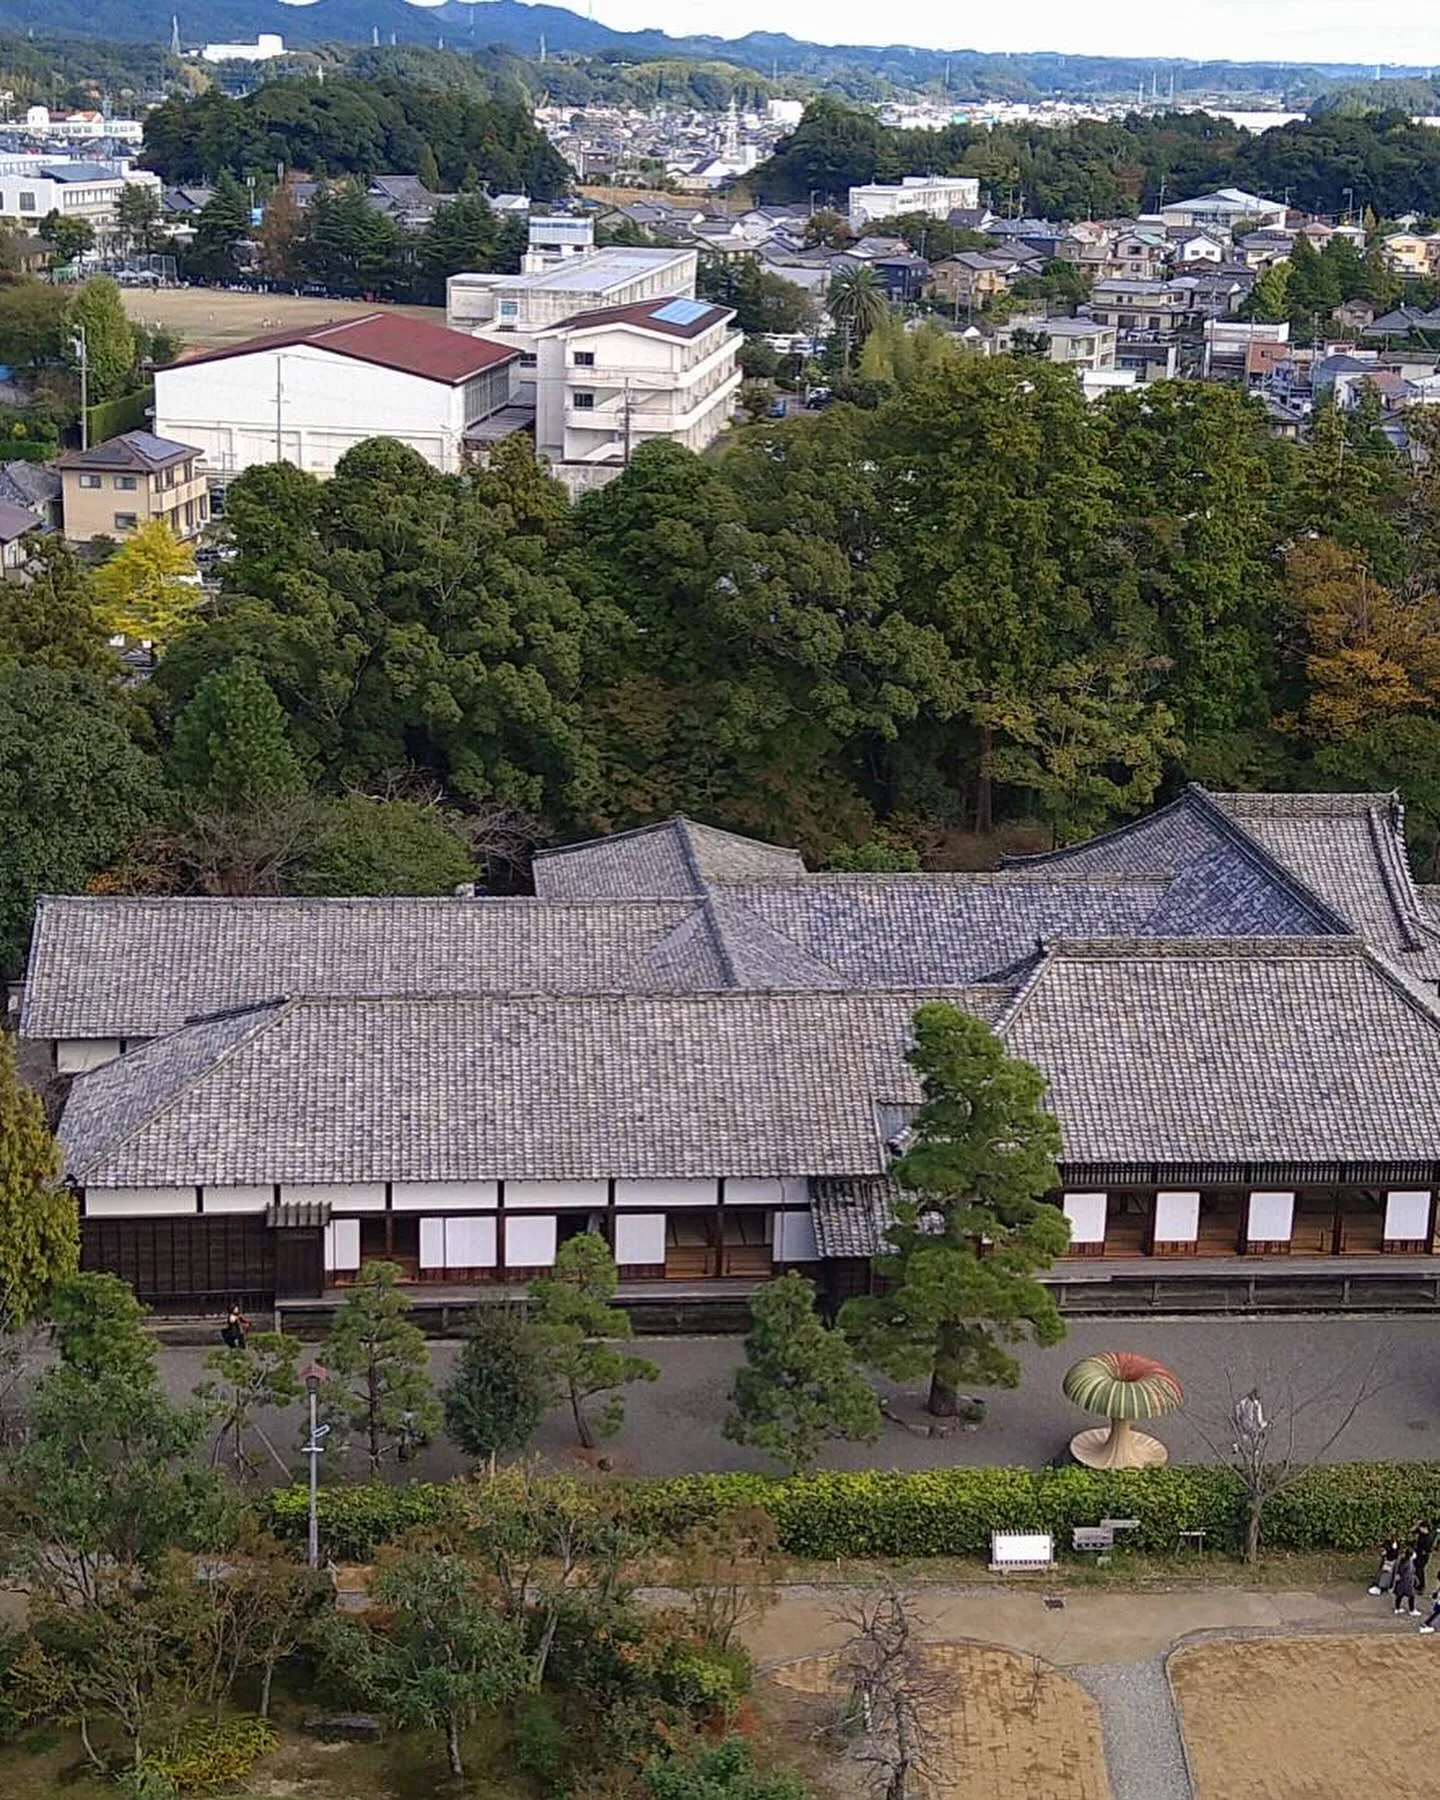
{"points": [[1402, 1573]]}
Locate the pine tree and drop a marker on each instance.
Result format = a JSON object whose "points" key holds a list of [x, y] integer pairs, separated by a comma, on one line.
{"points": [[39, 1232], [231, 745], [379, 1385], [973, 1230], [109, 340], [497, 1395], [798, 1386], [575, 1328]]}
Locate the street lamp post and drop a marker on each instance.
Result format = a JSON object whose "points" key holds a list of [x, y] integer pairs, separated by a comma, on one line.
{"points": [[81, 347], [314, 1373]]}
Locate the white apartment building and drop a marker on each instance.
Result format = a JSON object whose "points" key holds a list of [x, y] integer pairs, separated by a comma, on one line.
{"points": [[610, 380], [308, 396], [937, 195], [562, 274]]}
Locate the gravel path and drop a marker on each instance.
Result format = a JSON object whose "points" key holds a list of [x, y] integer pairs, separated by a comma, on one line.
{"points": [[1142, 1735]]}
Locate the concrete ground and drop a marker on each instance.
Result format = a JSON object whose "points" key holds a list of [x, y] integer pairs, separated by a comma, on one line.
{"points": [[672, 1426]]}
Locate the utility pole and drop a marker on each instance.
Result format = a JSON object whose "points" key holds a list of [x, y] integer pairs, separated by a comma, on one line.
{"points": [[82, 356], [279, 450], [626, 416], [314, 1447]]}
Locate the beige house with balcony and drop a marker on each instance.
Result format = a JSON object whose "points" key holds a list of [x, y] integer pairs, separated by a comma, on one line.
{"points": [[610, 380], [114, 488]]}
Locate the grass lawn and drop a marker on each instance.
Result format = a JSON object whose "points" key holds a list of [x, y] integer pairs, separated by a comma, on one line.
{"points": [[208, 318], [1301, 1718]]}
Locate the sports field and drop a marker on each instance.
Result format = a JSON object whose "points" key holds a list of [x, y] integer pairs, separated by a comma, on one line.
{"points": [[208, 318]]}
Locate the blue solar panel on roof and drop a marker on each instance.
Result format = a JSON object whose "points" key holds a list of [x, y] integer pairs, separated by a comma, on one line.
{"points": [[681, 312]]}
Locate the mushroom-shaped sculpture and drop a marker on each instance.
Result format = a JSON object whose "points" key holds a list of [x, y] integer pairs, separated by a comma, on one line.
{"points": [[1121, 1386]]}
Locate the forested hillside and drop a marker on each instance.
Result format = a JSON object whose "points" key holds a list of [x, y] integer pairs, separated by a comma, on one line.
{"points": [[351, 126], [1100, 169]]}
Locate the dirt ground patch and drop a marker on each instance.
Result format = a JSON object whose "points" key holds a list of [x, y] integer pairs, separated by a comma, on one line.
{"points": [[1017, 1729], [208, 318], [1298, 1718]]}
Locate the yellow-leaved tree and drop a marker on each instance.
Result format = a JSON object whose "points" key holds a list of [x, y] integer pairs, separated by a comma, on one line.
{"points": [[148, 590]]}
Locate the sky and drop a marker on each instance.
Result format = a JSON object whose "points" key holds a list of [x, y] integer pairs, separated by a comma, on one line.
{"points": [[1349, 31]]}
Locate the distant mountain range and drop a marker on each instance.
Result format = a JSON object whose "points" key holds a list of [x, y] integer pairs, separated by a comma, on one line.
{"points": [[520, 28]]}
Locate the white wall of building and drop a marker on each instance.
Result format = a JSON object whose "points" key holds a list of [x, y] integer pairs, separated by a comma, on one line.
{"points": [[938, 196], [326, 405]]}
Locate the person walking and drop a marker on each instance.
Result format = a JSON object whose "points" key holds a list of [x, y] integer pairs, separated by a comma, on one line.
{"points": [[1424, 1544], [1385, 1574], [1428, 1628], [1405, 1584], [236, 1327]]}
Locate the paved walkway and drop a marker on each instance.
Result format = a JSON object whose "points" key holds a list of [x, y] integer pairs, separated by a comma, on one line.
{"points": [[1114, 1643]]}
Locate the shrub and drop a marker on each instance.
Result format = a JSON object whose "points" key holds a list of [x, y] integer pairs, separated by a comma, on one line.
{"points": [[936, 1512], [210, 1753]]}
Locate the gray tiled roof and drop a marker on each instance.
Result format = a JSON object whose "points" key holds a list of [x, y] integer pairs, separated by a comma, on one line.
{"points": [[1231, 1051], [676, 857], [1350, 850], [126, 967], [851, 1215], [495, 1087]]}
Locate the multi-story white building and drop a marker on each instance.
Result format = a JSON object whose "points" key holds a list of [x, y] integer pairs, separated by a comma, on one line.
{"points": [[267, 46], [72, 127], [308, 396], [612, 379], [32, 187], [937, 195], [563, 274]]}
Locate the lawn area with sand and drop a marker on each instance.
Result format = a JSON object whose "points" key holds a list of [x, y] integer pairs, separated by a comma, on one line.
{"points": [[1301, 1718], [1009, 1728]]}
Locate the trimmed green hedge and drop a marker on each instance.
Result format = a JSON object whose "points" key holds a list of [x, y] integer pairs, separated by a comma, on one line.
{"points": [[130, 412], [940, 1512]]}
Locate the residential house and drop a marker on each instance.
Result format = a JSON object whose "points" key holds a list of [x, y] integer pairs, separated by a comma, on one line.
{"points": [[185, 202], [1226, 344], [692, 1046], [1410, 253], [36, 487], [1087, 345], [1261, 250], [17, 525], [1354, 315], [937, 195], [1140, 255], [1148, 317], [1403, 322], [112, 489], [308, 395], [1190, 246], [614, 378], [405, 199], [969, 278]]}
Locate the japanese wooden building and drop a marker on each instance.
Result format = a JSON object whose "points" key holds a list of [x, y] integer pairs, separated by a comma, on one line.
{"points": [[691, 1044]]}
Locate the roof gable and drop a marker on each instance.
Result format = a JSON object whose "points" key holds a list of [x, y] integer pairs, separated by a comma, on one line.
{"points": [[388, 340]]}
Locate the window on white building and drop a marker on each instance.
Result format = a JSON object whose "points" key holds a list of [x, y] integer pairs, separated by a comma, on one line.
{"points": [[27, 201], [126, 483], [89, 481], [583, 402], [584, 359], [125, 521]]}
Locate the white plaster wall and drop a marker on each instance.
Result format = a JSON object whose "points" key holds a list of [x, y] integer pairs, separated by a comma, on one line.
{"points": [[341, 1196], [133, 1203], [237, 1199], [640, 1238], [795, 1238], [741, 1191], [443, 1196], [73, 1056], [558, 1194], [328, 404], [665, 1194]]}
